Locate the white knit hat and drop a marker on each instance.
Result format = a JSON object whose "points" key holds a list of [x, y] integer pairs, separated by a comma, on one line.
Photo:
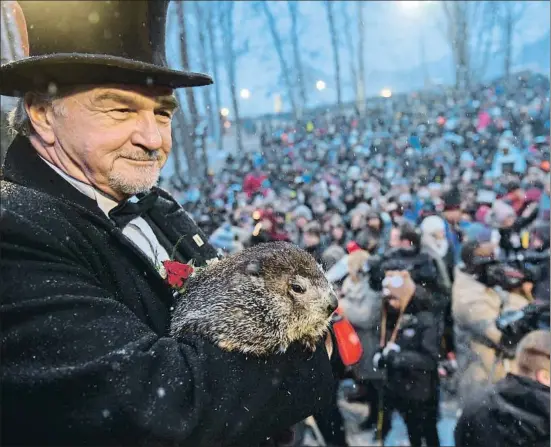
{"points": [[432, 224]]}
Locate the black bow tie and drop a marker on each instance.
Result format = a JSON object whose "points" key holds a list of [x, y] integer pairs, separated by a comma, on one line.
{"points": [[132, 208]]}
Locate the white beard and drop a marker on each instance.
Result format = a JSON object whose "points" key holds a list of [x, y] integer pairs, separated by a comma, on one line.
{"points": [[442, 248], [438, 247]]}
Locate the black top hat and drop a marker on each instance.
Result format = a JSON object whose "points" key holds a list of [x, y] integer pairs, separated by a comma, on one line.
{"points": [[93, 42]]}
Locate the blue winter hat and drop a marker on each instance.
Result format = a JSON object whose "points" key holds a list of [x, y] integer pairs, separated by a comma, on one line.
{"points": [[478, 232]]}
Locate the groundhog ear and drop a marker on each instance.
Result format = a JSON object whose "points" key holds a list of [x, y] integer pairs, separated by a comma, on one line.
{"points": [[253, 268]]}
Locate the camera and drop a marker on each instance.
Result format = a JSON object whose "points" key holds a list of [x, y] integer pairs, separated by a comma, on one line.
{"points": [[516, 324], [511, 271]]}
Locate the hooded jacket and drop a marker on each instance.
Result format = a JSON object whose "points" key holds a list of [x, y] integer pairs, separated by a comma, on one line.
{"points": [[514, 412], [475, 309]]}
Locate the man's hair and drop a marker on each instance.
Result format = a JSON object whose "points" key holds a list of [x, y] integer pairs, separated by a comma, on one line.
{"points": [[533, 353], [313, 229], [19, 122], [409, 233]]}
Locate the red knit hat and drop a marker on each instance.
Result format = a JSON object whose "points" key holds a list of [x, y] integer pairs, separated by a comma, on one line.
{"points": [[352, 246]]}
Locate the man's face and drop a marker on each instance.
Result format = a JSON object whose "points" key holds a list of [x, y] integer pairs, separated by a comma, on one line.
{"points": [[485, 249], [301, 222], [311, 240], [394, 241], [453, 216], [337, 233], [119, 137], [374, 223]]}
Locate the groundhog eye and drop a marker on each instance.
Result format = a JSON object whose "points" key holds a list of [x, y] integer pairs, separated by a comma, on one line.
{"points": [[297, 289]]}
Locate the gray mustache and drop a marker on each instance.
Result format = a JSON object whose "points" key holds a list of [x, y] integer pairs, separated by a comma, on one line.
{"points": [[149, 156]]}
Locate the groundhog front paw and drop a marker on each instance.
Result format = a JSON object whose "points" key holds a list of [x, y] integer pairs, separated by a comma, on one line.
{"points": [[311, 344]]}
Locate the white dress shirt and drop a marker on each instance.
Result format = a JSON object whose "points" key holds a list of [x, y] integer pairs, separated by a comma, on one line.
{"points": [[137, 230]]}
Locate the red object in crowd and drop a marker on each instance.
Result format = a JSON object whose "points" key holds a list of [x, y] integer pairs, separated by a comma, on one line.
{"points": [[348, 342], [352, 246], [275, 233], [441, 120], [517, 203], [253, 184], [533, 195], [484, 120], [481, 213]]}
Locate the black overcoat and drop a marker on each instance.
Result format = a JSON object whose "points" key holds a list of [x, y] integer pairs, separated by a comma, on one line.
{"points": [[513, 412], [86, 359]]}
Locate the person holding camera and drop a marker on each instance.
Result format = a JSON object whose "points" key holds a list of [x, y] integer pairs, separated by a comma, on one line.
{"points": [[480, 345], [515, 411], [409, 352]]}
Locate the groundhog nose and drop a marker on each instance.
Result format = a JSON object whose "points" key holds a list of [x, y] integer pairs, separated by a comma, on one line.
{"points": [[333, 304]]}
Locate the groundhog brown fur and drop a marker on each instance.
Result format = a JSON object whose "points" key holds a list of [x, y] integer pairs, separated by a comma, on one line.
{"points": [[257, 301]]}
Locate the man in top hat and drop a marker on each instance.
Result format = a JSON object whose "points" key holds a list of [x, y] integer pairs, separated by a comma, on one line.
{"points": [[86, 355]]}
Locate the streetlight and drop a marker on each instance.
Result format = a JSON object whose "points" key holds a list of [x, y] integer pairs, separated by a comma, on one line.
{"points": [[224, 111], [320, 85], [245, 93], [386, 93]]}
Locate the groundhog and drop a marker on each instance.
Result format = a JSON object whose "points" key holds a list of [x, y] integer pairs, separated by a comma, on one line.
{"points": [[257, 301]]}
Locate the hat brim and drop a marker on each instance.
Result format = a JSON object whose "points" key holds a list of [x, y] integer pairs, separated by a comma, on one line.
{"points": [[38, 72]]}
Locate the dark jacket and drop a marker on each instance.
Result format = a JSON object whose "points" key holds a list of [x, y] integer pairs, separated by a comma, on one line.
{"points": [[86, 358], [412, 372], [514, 412]]}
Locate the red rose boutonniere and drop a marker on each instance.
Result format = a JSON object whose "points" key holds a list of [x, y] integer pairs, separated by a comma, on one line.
{"points": [[177, 273]]}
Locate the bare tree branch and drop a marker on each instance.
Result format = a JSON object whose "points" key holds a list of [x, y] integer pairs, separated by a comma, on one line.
{"points": [[294, 13], [279, 49]]}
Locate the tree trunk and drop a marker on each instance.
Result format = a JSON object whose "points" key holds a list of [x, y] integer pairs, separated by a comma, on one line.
{"points": [[360, 89], [293, 11], [508, 30], [350, 47], [190, 95], [335, 46], [183, 141], [184, 131], [458, 35], [214, 60], [282, 61], [201, 25], [7, 53], [230, 56]]}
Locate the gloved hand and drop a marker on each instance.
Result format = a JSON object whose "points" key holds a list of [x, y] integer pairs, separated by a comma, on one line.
{"points": [[390, 347], [383, 355]]}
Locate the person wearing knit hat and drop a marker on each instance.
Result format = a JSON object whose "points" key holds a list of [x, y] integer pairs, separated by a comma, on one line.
{"points": [[312, 241], [452, 215], [452, 205], [502, 215], [478, 232]]}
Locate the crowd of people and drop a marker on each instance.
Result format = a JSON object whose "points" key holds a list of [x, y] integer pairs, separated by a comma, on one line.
{"points": [[442, 184], [429, 212]]}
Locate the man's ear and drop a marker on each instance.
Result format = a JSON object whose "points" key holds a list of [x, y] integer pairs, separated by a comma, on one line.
{"points": [[543, 377], [40, 116]]}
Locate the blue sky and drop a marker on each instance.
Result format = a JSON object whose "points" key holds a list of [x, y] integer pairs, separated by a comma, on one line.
{"points": [[392, 39]]}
